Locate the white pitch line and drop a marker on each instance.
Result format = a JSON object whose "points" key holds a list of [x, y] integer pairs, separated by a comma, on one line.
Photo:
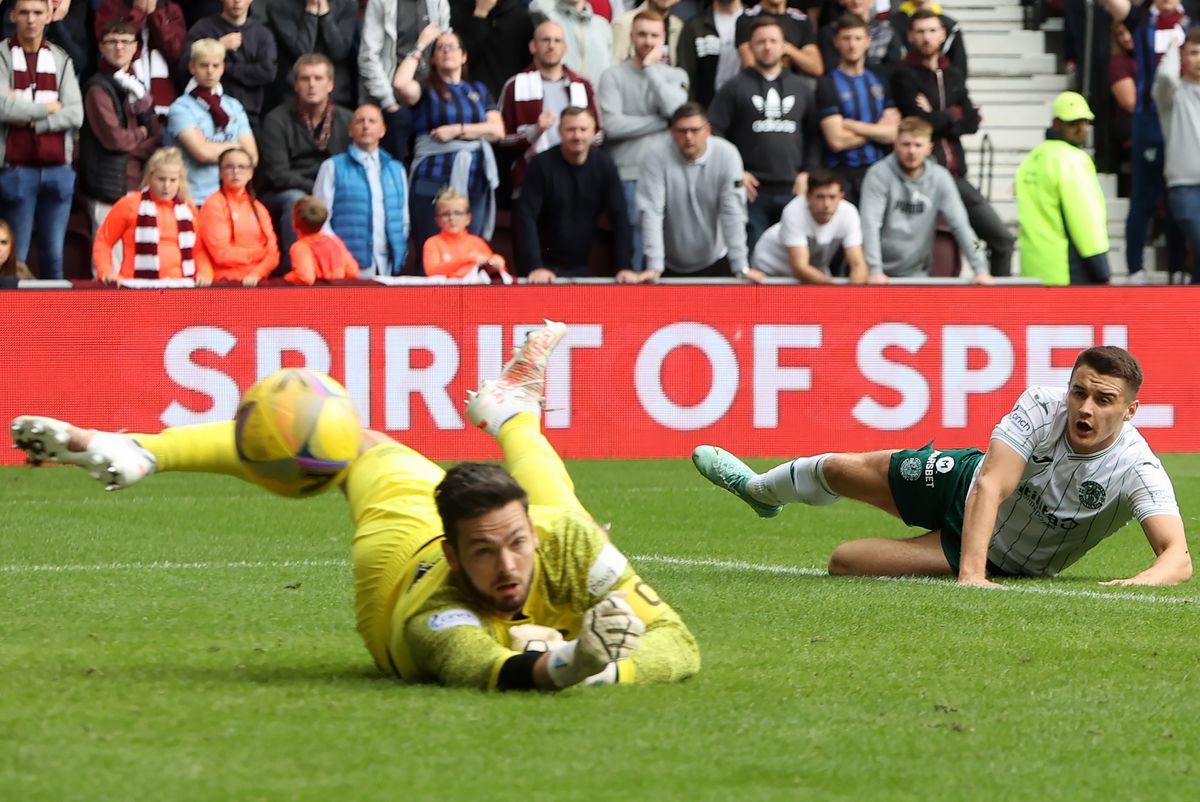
{"points": [[658, 559]]}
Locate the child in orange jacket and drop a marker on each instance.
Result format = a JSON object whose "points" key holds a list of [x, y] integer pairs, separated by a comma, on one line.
{"points": [[235, 227], [156, 226], [455, 253], [315, 254]]}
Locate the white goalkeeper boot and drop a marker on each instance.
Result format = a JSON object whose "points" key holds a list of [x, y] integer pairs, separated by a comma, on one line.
{"points": [[114, 460], [521, 386]]}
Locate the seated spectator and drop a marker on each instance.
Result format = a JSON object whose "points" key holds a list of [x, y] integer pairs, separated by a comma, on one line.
{"points": [[589, 36], [11, 269], [707, 50], [566, 190], [454, 252], [388, 37], [315, 255], [885, 50], [816, 234], [160, 31], [928, 86], [692, 205], [902, 197], [1178, 100], [297, 137], [324, 27], [366, 193], [120, 129], [455, 122], [156, 226], [622, 31], [1061, 207], [637, 98], [205, 121], [800, 53], [858, 118], [952, 48], [250, 53], [494, 33], [40, 112], [235, 228], [770, 116], [532, 100]]}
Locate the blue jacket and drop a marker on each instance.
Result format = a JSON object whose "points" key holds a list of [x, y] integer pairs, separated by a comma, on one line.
{"points": [[351, 213]]}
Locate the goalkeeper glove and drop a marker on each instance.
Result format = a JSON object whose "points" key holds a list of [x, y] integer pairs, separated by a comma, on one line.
{"points": [[611, 631]]}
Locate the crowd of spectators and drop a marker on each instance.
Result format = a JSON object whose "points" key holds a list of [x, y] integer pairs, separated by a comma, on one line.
{"points": [[205, 140]]}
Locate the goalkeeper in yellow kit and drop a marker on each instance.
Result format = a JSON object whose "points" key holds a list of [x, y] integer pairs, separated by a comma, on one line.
{"points": [[476, 577]]}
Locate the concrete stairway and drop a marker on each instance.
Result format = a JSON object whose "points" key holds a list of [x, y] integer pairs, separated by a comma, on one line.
{"points": [[1014, 81]]}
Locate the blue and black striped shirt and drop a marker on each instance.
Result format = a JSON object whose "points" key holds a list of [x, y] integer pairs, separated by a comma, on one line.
{"points": [[469, 103], [854, 97]]}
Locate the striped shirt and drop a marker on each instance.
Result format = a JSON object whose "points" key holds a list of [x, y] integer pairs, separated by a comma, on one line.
{"points": [[853, 97], [1066, 503], [469, 103]]}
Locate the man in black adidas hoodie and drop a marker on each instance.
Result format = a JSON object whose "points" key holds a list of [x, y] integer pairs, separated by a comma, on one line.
{"points": [[770, 116], [928, 86]]}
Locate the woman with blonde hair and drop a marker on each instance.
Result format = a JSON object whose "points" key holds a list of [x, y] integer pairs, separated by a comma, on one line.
{"points": [[156, 227], [235, 227]]}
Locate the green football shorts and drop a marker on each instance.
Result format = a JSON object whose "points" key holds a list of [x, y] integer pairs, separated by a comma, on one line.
{"points": [[930, 488]]}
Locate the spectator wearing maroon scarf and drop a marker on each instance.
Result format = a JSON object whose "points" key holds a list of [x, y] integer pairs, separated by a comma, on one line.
{"points": [[160, 31], [40, 110]]}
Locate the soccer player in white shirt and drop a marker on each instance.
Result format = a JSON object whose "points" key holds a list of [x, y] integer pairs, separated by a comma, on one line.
{"points": [[1064, 470]]}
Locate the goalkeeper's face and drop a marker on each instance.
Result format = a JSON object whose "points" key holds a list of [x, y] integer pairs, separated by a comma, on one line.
{"points": [[494, 553]]}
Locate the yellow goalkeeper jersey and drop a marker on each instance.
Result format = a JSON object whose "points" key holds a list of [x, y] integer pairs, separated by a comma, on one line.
{"points": [[438, 634]]}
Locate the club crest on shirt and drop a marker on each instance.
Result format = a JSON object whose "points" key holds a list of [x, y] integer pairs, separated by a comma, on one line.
{"points": [[473, 96], [1091, 495], [910, 469]]}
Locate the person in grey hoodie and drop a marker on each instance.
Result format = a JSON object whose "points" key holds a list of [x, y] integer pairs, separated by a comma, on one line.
{"points": [[1178, 99], [902, 196], [637, 97]]}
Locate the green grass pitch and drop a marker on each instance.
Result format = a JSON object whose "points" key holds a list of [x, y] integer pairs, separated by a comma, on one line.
{"points": [[192, 638]]}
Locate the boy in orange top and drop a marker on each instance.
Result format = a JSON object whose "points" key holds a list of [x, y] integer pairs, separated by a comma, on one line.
{"points": [[455, 253], [235, 227], [315, 254], [157, 228]]}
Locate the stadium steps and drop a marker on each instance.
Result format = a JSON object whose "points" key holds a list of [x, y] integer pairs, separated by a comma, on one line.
{"points": [[1014, 79]]}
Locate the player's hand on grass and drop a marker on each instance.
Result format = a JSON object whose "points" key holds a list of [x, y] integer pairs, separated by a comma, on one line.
{"points": [[533, 638], [977, 582]]}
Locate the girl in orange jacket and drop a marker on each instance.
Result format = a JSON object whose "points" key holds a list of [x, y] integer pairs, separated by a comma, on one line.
{"points": [[235, 228], [455, 252], [156, 227], [315, 254]]}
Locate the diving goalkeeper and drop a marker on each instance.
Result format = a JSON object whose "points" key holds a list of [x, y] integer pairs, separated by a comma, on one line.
{"points": [[474, 577]]}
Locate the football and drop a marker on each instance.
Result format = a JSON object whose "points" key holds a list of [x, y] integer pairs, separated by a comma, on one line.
{"points": [[297, 432]]}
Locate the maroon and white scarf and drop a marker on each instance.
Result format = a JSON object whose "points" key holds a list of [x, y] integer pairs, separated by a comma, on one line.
{"points": [[212, 99], [319, 128], [37, 85], [145, 237], [151, 69]]}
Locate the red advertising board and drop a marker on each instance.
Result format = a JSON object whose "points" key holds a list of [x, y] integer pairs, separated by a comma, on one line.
{"points": [[644, 371]]}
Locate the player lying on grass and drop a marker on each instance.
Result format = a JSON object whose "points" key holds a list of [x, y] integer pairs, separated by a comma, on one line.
{"points": [[1064, 470], [521, 564]]}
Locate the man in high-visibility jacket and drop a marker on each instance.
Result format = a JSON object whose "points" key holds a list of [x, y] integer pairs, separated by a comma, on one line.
{"points": [[1064, 223]]}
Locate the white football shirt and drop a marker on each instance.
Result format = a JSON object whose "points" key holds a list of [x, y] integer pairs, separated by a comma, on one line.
{"points": [[1066, 503]]}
